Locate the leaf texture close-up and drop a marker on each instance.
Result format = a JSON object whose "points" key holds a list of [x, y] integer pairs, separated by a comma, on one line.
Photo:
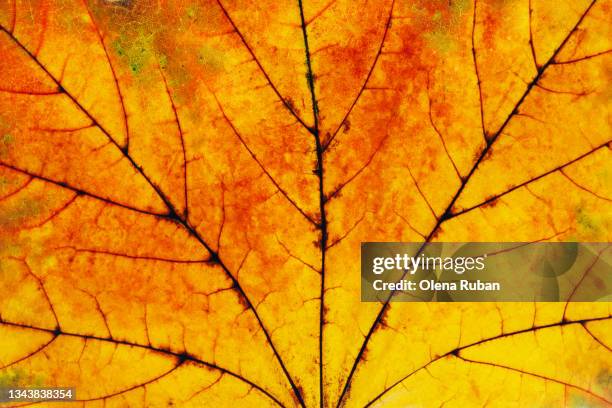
{"points": [[185, 186]]}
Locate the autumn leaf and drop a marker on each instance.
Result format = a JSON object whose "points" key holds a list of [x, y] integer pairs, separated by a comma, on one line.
{"points": [[184, 187]]}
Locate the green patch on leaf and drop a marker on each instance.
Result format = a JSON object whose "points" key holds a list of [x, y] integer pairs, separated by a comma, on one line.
{"points": [[136, 48], [18, 377], [6, 141], [18, 213], [441, 36], [192, 11], [211, 58], [588, 221]]}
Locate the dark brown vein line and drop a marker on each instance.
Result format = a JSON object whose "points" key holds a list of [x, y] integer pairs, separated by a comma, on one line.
{"points": [[13, 15], [54, 214], [62, 130], [105, 319], [435, 128], [223, 215], [598, 340], [18, 190], [542, 377], [456, 351], [115, 79], [574, 182], [531, 43], [582, 278], [41, 348], [510, 249], [498, 196], [532, 117], [206, 388], [182, 139], [42, 288], [284, 101], [30, 93], [560, 92], [585, 58], [346, 234], [172, 213], [260, 164], [320, 12], [448, 213], [43, 9], [478, 81], [181, 357], [422, 194], [409, 224], [79, 191], [132, 388], [367, 78], [319, 171], [359, 171], [297, 258], [134, 257]]}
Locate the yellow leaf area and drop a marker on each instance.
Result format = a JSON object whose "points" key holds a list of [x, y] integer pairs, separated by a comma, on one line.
{"points": [[184, 187]]}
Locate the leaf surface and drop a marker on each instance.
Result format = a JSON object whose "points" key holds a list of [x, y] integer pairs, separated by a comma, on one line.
{"points": [[184, 188]]}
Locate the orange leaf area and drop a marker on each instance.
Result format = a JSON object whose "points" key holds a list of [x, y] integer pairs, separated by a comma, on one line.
{"points": [[184, 187]]}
